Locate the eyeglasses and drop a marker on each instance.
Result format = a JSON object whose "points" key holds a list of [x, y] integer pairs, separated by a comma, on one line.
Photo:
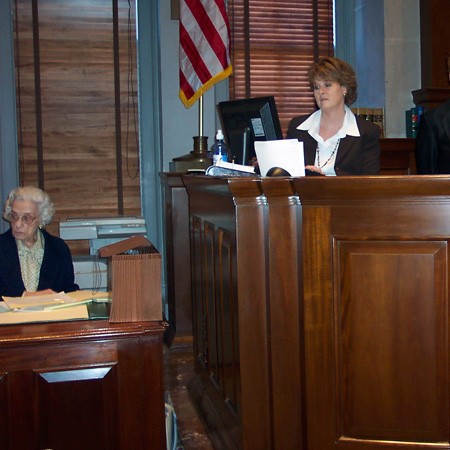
{"points": [[27, 219]]}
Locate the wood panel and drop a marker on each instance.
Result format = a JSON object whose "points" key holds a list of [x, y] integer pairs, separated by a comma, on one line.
{"points": [[376, 312], [77, 105], [4, 438], [198, 297], [398, 156], [285, 312], [434, 51], [228, 344], [391, 337], [216, 386], [210, 302], [177, 258], [251, 253], [60, 393], [88, 385], [343, 310]]}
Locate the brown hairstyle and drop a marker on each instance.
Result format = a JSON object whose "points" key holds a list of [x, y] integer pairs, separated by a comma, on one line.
{"points": [[334, 69]]}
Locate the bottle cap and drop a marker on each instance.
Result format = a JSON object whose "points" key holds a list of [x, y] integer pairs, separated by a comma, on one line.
{"points": [[219, 135]]}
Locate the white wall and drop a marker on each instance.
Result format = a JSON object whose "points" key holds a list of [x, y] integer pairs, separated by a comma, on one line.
{"points": [[369, 58], [402, 64]]}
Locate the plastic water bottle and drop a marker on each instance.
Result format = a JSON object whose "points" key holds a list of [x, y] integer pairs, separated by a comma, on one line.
{"points": [[219, 149]]}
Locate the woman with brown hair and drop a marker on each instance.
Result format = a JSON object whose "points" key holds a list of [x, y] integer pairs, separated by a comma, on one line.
{"points": [[335, 142]]}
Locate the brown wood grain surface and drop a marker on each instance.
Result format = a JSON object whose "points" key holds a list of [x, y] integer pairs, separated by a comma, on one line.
{"points": [[342, 310], [82, 385], [67, 102]]}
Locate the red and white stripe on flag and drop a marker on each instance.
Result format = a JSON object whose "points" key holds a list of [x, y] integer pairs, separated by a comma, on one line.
{"points": [[204, 47]]}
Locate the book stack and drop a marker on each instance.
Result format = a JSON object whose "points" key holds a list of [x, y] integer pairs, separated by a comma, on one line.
{"points": [[412, 121], [375, 115]]}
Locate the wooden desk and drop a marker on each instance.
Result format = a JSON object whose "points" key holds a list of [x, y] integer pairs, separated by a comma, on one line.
{"points": [[87, 385], [321, 311]]}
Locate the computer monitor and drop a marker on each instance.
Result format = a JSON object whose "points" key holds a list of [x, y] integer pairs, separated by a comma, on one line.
{"points": [[246, 121]]}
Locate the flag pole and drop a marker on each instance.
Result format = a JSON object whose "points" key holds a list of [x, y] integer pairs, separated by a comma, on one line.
{"points": [[197, 158], [200, 141], [200, 116]]}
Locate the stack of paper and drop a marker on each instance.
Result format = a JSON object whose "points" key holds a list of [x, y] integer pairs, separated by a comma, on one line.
{"points": [[48, 308], [39, 302]]}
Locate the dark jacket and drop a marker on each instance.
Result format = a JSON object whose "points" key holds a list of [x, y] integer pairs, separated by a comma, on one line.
{"points": [[433, 141], [355, 156], [56, 270]]}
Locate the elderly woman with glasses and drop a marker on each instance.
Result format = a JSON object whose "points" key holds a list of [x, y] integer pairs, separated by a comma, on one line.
{"points": [[33, 262]]}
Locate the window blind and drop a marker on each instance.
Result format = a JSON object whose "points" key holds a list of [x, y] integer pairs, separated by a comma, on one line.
{"points": [[273, 42]]}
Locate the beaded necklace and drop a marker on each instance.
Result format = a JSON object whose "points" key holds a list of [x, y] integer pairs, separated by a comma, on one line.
{"points": [[329, 159]]}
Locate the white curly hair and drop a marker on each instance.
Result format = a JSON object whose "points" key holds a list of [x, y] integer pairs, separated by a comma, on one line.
{"points": [[36, 195]]}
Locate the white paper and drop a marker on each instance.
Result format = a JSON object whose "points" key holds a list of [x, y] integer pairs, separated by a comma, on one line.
{"points": [[50, 308], [54, 301], [234, 166], [38, 302], [284, 153]]}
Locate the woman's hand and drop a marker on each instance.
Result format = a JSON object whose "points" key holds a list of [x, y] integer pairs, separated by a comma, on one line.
{"points": [[42, 292], [314, 169]]}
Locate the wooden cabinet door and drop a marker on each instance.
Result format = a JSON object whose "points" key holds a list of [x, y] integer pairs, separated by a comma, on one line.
{"points": [[375, 254], [63, 409], [90, 393]]}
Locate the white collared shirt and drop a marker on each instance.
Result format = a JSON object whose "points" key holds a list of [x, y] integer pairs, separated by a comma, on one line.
{"points": [[326, 148]]}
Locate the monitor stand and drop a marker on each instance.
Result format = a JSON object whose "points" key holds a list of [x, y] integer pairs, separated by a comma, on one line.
{"points": [[240, 145]]}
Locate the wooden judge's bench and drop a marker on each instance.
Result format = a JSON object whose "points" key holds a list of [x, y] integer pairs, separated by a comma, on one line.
{"points": [[320, 311], [397, 158]]}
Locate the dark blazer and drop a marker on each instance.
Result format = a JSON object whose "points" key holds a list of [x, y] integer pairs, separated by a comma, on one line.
{"points": [[355, 156], [433, 141], [56, 270]]}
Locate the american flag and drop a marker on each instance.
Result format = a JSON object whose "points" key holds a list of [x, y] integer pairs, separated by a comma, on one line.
{"points": [[204, 47]]}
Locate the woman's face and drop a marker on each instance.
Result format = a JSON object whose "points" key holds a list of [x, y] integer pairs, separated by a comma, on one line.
{"points": [[329, 95], [24, 219]]}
